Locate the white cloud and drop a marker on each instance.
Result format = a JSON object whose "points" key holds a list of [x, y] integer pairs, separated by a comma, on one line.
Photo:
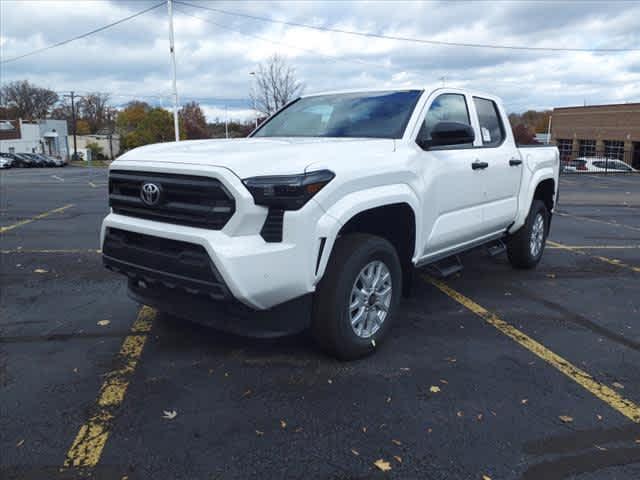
{"points": [[213, 63]]}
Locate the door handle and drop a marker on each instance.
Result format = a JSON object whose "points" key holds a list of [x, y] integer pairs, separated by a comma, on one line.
{"points": [[514, 162], [479, 165]]}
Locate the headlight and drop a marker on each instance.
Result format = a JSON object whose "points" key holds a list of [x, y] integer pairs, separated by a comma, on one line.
{"points": [[288, 192]]}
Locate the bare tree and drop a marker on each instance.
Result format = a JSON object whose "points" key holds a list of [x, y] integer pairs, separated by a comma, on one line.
{"points": [[27, 100], [276, 85], [94, 108]]}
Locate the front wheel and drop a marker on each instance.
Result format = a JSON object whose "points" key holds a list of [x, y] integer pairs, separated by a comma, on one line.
{"points": [[357, 298], [526, 246]]}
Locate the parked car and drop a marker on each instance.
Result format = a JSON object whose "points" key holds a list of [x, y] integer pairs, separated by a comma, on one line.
{"points": [[319, 218], [48, 161], [5, 163], [597, 164], [22, 160]]}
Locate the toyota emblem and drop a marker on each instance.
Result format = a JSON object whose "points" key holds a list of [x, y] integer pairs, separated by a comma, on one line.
{"points": [[150, 194]]}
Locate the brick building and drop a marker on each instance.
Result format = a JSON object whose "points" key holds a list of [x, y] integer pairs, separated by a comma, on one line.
{"points": [[611, 131]]}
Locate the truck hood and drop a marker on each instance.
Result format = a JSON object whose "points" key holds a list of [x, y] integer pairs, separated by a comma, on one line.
{"points": [[249, 157]]}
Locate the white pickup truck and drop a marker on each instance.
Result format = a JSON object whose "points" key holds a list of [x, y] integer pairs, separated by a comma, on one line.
{"points": [[320, 216]]}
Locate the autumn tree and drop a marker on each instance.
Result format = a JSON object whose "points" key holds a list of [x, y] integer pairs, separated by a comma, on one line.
{"points": [[276, 85], [94, 109], [26, 100], [524, 135], [140, 124], [193, 121]]}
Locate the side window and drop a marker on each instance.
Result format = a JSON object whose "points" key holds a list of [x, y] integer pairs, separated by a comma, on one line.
{"points": [[448, 107], [491, 128]]}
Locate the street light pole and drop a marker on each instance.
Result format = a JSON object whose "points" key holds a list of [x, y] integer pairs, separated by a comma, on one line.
{"points": [[253, 97], [74, 124], [173, 69]]}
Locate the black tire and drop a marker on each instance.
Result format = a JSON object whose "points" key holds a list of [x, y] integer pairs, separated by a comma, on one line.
{"points": [[519, 249], [331, 320]]}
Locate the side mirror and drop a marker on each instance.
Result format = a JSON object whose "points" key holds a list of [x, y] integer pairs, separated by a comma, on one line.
{"points": [[449, 133]]}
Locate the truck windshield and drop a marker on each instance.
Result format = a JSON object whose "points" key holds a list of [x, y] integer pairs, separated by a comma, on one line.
{"points": [[369, 114]]}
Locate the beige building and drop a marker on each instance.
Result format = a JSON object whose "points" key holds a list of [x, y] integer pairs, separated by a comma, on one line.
{"points": [[611, 131], [110, 144]]}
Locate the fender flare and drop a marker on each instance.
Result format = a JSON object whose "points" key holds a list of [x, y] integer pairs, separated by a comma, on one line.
{"points": [[526, 196], [340, 213]]}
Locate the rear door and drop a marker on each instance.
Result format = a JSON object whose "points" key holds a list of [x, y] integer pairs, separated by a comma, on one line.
{"points": [[504, 172]]}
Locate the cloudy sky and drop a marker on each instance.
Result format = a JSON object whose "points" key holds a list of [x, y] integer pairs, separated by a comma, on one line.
{"points": [[216, 51]]}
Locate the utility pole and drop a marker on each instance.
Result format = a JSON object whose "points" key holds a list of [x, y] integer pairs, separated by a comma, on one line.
{"points": [[226, 121], [255, 93], [549, 130], [75, 125], [173, 69]]}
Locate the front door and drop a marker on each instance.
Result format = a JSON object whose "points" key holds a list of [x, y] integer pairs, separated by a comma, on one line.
{"points": [[452, 206]]}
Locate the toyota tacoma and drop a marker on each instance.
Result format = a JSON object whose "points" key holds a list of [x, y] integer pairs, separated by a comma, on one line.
{"points": [[319, 218]]}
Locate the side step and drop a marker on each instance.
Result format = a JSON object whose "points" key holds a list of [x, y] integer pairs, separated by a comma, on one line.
{"points": [[447, 266], [496, 248]]}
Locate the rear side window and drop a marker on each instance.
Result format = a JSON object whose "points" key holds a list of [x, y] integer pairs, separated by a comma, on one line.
{"points": [[491, 128], [448, 107]]}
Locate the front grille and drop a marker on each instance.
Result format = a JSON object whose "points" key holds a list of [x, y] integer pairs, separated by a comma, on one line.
{"points": [[188, 200], [170, 263]]}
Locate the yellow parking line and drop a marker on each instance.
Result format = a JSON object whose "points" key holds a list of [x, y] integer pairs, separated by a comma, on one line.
{"points": [[610, 261], [597, 247], [608, 395], [92, 436], [597, 220], [37, 217], [71, 250]]}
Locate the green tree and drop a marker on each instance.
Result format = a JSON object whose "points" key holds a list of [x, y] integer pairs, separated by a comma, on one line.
{"points": [[97, 152], [139, 124]]}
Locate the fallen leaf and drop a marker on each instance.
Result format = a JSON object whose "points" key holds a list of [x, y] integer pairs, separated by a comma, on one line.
{"points": [[373, 343], [434, 389], [125, 477], [479, 417], [283, 424], [524, 401], [397, 442], [246, 394], [451, 359], [298, 430], [75, 370], [398, 459], [637, 440], [388, 399], [618, 385], [405, 369], [460, 413], [20, 443], [599, 417], [355, 452], [40, 270], [259, 433], [429, 430], [169, 414], [329, 381], [442, 380], [551, 275], [226, 374], [566, 418], [364, 429], [104, 323], [600, 448], [382, 465], [486, 477]]}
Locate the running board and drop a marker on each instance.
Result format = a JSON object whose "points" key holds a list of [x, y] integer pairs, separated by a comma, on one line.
{"points": [[496, 248], [447, 266]]}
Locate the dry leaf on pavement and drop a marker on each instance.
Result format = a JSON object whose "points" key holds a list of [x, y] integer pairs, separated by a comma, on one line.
{"points": [[283, 424], [169, 414], [20, 443], [398, 459], [486, 477], [397, 442], [382, 465], [434, 389], [40, 270], [618, 385], [566, 418], [355, 452], [104, 323]]}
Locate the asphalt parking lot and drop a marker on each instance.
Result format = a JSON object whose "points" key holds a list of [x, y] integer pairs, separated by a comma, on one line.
{"points": [[495, 373]]}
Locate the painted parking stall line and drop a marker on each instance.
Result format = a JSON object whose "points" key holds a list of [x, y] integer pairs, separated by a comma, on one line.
{"points": [[37, 217], [624, 406], [92, 437], [579, 251]]}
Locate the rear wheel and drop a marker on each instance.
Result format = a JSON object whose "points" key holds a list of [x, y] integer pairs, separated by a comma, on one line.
{"points": [[357, 298], [526, 246]]}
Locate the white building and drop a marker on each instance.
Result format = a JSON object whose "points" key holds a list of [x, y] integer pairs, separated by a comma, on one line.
{"points": [[41, 136]]}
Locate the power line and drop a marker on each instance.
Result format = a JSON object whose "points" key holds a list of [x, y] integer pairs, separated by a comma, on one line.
{"points": [[84, 35], [332, 58], [410, 39]]}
